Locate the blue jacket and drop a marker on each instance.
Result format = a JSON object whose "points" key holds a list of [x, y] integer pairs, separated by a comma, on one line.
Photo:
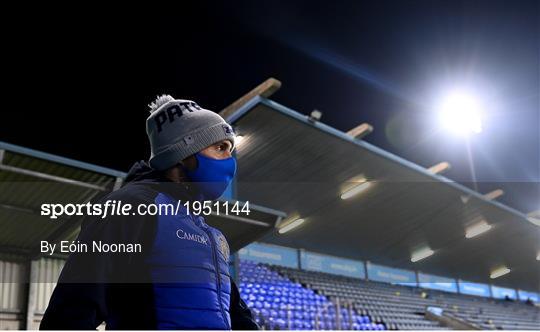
{"points": [[180, 280]]}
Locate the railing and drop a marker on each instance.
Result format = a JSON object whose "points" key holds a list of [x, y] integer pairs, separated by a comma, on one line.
{"points": [[337, 303]]}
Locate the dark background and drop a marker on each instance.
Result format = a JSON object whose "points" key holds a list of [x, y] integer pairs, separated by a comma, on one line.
{"points": [[77, 79]]}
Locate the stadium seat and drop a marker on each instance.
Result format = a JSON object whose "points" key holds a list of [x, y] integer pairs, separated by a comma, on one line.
{"points": [[376, 306]]}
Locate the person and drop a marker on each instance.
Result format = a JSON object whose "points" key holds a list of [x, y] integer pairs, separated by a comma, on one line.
{"points": [[181, 278]]}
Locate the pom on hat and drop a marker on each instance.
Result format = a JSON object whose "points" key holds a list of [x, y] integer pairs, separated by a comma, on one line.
{"points": [[160, 101]]}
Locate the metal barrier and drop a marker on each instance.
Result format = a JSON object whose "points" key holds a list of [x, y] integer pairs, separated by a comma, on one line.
{"points": [[337, 304]]}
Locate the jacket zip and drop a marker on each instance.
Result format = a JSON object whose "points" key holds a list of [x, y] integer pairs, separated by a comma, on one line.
{"points": [[218, 273]]}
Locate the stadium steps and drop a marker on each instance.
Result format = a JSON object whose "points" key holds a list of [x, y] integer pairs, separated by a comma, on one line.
{"points": [[279, 303], [402, 307]]}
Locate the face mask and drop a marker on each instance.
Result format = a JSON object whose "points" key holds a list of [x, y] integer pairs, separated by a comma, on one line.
{"points": [[212, 176]]}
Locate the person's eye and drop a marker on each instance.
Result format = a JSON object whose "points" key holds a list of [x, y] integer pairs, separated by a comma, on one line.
{"points": [[224, 147]]}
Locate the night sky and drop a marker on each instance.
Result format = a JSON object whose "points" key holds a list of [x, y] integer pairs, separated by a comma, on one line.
{"points": [[77, 83]]}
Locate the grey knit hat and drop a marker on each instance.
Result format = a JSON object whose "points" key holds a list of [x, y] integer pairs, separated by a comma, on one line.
{"points": [[179, 128]]}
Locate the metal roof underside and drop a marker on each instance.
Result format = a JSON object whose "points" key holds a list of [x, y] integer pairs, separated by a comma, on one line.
{"points": [[26, 182], [289, 163]]}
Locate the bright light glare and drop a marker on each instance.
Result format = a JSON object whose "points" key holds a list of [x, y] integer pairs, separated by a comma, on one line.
{"points": [[460, 113], [238, 140]]}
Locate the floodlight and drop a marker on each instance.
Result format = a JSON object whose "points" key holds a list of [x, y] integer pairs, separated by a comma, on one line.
{"points": [[461, 113]]}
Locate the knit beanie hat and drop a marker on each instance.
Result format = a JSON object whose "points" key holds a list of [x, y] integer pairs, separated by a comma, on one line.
{"points": [[179, 128]]}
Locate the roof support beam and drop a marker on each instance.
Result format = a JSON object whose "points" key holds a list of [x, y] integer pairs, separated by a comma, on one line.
{"points": [[59, 160], [265, 89], [494, 194], [50, 177], [439, 168], [18, 208], [360, 131]]}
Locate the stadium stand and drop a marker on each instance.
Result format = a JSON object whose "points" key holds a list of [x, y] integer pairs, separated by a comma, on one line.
{"points": [[289, 298], [402, 308], [279, 303]]}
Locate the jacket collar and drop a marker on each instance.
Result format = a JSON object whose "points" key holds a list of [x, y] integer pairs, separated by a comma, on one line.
{"points": [[142, 173]]}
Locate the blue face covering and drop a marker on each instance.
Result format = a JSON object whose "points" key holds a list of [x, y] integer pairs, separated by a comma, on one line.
{"points": [[212, 176]]}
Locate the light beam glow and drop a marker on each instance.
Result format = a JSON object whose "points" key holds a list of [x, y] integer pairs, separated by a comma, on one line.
{"points": [[460, 113]]}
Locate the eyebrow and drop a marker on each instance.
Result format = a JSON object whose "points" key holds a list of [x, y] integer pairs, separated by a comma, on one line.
{"points": [[226, 142]]}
